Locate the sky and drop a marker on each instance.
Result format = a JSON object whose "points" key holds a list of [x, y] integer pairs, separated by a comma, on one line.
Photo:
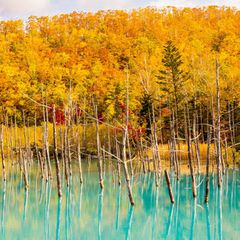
{"points": [[14, 9]]}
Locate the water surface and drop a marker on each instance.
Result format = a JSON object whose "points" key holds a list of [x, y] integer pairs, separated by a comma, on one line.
{"points": [[88, 213]]}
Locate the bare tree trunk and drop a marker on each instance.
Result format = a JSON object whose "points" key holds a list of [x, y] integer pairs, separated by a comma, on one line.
{"points": [[118, 162], [69, 157], [25, 171], [155, 141], [233, 133], [226, 151], [175, 134], [174, 148], [169, 186], [20, 162], [201, 123], [84, 126], [15, 137], [61, 133], [124, 155], [66, 165], [44, 151], [125, 166], [207, 163], [2, 155], [79, 159], [230, 121], [56, 154], [25, 131], [35, 139], [47, 144], [130, 155], [195, 135], [6, 137], [109, 147], [154, 160], [41, 164], [98, 148], [141, 152], [190, 156], [11, 142], [29, 150], [218, 130], [103, 160]]}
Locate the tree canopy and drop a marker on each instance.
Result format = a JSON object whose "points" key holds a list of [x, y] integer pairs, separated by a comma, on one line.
{"points": [[87, 53]]}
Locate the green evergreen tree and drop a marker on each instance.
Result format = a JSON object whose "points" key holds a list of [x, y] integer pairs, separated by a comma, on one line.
{"points": [[172, 78], [145, 114]]}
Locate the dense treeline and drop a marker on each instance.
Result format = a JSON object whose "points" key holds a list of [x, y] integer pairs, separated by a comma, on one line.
{"points": [[120, 84], [70, 58]]}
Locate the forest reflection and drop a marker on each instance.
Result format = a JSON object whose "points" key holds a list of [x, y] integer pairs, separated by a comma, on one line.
{"points": [[89, 213]]}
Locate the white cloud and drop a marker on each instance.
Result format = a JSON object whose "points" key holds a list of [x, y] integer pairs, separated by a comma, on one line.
{"points": [[22, 7], [25, 8], [194, 3], [88, 5]]}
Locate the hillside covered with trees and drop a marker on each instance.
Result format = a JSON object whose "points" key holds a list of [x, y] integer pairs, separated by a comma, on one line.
{"points": [[116, 98], [168, 56]]}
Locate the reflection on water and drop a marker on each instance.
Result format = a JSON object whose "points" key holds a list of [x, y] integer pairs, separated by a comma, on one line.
{"points": [[58, 219], [86, 212], [100, 210]]}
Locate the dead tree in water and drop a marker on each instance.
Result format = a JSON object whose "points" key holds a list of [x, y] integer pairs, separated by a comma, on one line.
{"points": [[231, 129], [79, 159], [226, 151], [24, 131], [25, 170], [196, 137], [15, 137], [47, 144], [118, 161], [65, 144], [109, 146], [20, 162], [155, 141], [141, 154], [56, 154], [7, 137], [35, 141], [45, 151], [125, 168], [11, 142], [2, 155], [154, 161], [69, 157], [155, 150], [190, 155], [124, 142], [174, 135], [98, 147], [130, 155], [169, 186], [218, 133], [41, 161], [207, 164]]}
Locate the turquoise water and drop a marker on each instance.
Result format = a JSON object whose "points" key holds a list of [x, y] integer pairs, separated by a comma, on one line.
{"points": [[88, 213]]}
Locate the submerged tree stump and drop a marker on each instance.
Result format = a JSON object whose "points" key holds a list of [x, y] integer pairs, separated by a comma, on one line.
{"points": [[169, 186]]}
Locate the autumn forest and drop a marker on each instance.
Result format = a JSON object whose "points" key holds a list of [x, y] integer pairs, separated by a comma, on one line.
{"points": [[90, 54], [151, 90]]}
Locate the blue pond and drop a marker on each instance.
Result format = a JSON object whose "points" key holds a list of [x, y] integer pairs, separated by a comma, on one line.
{"points": [[88, 213]]}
